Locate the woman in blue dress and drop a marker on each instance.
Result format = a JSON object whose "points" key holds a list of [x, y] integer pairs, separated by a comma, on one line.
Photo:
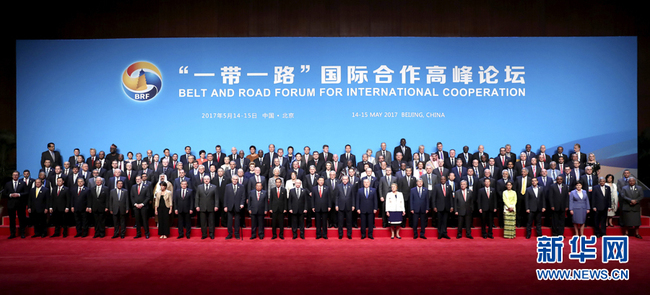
{"points": [[579, 206]]}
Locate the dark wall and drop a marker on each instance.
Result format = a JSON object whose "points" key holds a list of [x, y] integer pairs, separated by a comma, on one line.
{"points": [[460, 18]]}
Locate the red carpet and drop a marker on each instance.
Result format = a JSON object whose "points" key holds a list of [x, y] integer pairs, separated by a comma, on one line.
{"points": [[380, 266]]}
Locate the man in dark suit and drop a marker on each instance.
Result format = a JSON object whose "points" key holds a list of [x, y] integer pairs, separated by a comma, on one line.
{"points": [[332, 183], [405, 150], [630, 199], [17, 191], [364, 161], [37, 207], [366, 205], [184, 205], [59, 204], [601, 201], [420, 200], [480, 153], [463, 205], [52, 155], [588, 181], [385, 153], [267, 161], [278, 207], [487, 207], [582, 157], [535, 206], [321, 205], [118, 204], [501, 161], [348, 155], [206, 202], [79, 206], [298, 207], [257, 208], [140, 196], [558, 199], [234, 200], [424, 157], [560, 154], [344, 205], [97, 198]]}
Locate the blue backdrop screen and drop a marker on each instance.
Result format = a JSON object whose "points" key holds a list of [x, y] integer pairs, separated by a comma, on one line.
{"points": [[168, 93]]}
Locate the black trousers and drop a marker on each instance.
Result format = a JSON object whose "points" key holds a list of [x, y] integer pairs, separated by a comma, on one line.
{"points": [[465, 221], [600, 222], [367, 222], [408, 216], [487, 220], [39, 221], [141, 219], [81, 221], [184, 223], [22, 219], [277, 221], [298, 222], [537, 217], [257, 225], [443, 217], [521, 211], [233, 218], [58, 219], [333, 217], [422, 217], [382, 213], [321, 224], [119, 224], [345, 215], [558, 222], [100, 223], [207, 220]]}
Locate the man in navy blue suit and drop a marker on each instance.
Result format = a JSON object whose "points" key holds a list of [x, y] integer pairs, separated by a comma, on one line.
{"points": [[419, 208], [601, 201], [233, 204], [366, 205], [344, 204], [257, 208]]}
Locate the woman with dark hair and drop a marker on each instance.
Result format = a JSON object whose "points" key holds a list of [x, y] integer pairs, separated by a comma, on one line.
{"points": [[509, 212], [611, 212], [395, 210], [163, 209], [579, 207], [201, 158]]}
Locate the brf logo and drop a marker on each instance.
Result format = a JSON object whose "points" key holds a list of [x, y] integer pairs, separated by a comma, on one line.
{"points": [[141, 81]]}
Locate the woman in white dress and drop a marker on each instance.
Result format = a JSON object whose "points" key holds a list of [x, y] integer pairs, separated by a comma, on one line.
{"points": [[395, 210], [611, 212], [291, 183]]}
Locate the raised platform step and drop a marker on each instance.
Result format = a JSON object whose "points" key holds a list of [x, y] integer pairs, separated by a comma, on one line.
{"points": [[645, 221]]}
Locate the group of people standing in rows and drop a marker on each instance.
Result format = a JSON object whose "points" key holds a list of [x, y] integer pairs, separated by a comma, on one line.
{"points": [[402, 187]]}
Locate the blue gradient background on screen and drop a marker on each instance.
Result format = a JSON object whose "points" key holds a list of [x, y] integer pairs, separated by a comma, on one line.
{"points": [[577, 90]]}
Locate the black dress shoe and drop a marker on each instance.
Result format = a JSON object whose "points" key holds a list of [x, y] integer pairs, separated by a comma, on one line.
{"points": [[146, 236], [371, 237], [54, 236], [22, 236], [363, 237], [34, 236], [253, 238], [439, 237], [349, 237], [470, 237], [415, 237], [203, 238], [77, 235], [212, 237], [446, 237], [274, 237], [302, 237], [281, 237], [11, 237], [423, 237], [179, 237], [527, 236], [113, 237], [137, 237], [392, 238], [187, 237], [317, 238], [295, 236], [458, 236], [228, 237], [43, 236], [122, 237], [638, 236], [490, 237], [340, 237], [325, 238]]}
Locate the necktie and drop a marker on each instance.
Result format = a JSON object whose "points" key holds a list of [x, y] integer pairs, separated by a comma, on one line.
{"points": [[464, 196], [487, 190], [320, 191], [183, 194], [119, 195], [298, 193], [58, 191], [523, 185], [258, 195], [15, 185], [366, 193], [444, 190], [37, 192], [79, 191], [99, 189], [139, 188], [278, 192]]}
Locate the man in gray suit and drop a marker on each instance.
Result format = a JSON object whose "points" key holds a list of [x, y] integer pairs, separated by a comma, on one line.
{"points": [[385, 153], [118, 205], [384, 188], [207, 202], [630, 199]]}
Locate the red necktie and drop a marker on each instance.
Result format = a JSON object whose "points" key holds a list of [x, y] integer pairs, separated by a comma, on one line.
{"points": [[258, 195], [278, 193], [320, 191], [139, 187], [464, 197]]}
